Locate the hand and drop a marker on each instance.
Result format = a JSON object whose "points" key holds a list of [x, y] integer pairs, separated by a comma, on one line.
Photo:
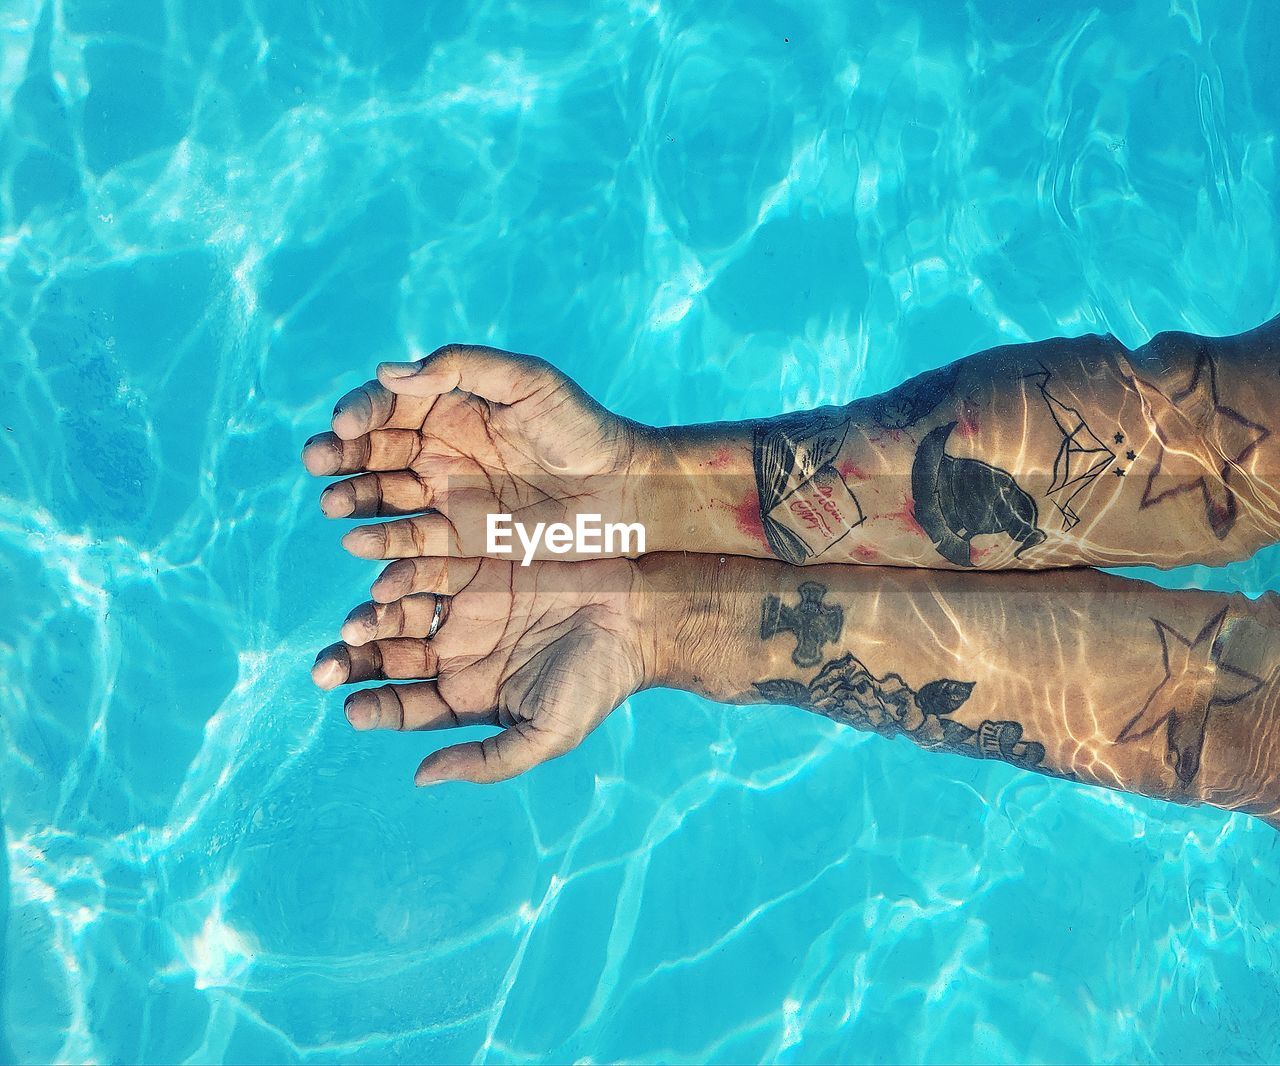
{"points": [[467, 432], [544, 652]]}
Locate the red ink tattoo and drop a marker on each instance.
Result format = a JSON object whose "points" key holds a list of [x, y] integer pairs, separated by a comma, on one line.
{"points": [[747, 517], [905, 517], [722, 458]]}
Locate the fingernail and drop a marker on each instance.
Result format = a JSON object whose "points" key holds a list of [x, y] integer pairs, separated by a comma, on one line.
{"points": [[391, 585], [337, 501], [351, 416], [360, 625], [359, 712], [397, 370], [327, 673], [321, 455], [363, 543], [422, 781]]}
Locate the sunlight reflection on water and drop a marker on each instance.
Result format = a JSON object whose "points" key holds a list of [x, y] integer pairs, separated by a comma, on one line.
{"points": [[218, 216]]}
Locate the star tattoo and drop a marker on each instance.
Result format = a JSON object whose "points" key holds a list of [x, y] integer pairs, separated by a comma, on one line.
{"points": [[1131, 455], [1235, 436], [1118, 438], [1195, 681]]}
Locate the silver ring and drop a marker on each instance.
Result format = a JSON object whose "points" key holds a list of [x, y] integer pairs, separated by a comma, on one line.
{"points": [[435, 618]]}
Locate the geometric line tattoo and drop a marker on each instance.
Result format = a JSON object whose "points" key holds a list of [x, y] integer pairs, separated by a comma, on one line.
{"points": [[1082, 457]]}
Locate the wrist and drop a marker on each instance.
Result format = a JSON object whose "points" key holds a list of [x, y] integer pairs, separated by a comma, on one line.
{"points": [[646, 465], [690, 610], [671, 616], [693, 488]]}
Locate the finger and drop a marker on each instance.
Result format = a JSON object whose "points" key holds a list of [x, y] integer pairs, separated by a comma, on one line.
{"points": [[415, 706], [423, 535], [390, 493], [372, 406], [412, 616], [379, 660], [497, 758], [404, 577], [494, 375], [385, 449]]}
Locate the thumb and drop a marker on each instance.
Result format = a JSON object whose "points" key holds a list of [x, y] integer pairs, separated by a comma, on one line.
{"points": [[564, 693], [497, 758], [492, 374]]}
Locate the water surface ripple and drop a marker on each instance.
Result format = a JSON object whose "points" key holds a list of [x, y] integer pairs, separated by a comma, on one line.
{"points": [[215, 215]]}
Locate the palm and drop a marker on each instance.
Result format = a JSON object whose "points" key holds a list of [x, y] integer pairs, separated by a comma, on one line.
{"points": [[468, 433], [544, 652], [532, 654], [534, 455]]}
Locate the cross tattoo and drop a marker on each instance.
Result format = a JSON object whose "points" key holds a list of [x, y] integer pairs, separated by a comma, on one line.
{"points": [[813, 622]]}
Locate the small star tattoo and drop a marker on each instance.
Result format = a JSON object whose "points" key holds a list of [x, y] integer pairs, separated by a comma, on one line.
{"points": [[1119, 471], [1119, 438], [1131, 455]]}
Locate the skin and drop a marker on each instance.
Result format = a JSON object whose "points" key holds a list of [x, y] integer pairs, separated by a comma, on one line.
{"points": [[468, 432], [544, 653], [1059, 453], [1186, 709], [1055, 454]]}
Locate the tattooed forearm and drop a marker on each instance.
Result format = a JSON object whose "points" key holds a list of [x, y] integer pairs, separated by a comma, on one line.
{"points": [[1061, 452], [1075, 674]]}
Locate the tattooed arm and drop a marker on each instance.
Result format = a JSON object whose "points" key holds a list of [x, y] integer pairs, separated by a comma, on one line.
{"points": [[1057, 453], [1081, 675], [1063, 452]]}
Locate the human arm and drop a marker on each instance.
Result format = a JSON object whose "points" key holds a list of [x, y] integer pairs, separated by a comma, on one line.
{"points": [[1062, 452], [1057, 453], [1078, 675], [1075, 674]]}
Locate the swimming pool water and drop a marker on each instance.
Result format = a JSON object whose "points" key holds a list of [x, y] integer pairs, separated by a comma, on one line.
{"points": [[217, 215]]}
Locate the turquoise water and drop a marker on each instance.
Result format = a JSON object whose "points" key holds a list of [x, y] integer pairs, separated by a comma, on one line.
{"points": [[217, 215]]}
